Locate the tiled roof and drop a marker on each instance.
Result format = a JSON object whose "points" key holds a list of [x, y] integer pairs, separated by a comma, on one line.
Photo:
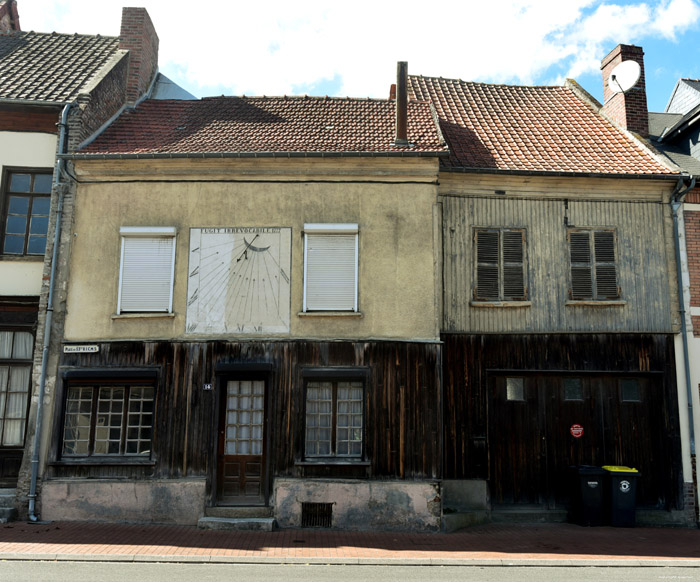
{"points": [[50, 67], [267, 125], [541, 129]]}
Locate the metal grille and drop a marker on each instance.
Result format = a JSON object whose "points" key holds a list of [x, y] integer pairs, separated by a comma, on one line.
{"points": [[316, 514]]}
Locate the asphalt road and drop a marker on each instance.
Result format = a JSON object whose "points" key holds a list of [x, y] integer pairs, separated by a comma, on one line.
{"points": [[25, 571]]}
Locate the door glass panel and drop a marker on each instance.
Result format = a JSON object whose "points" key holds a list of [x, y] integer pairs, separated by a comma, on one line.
{"points": [[244, 417]]}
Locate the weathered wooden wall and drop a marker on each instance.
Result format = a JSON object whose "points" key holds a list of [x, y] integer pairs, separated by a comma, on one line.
{"points": [[479, 438], [642, 259], [402, 402]]}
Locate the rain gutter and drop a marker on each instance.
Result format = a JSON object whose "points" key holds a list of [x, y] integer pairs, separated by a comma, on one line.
{"points": [[676, 203], [49, 319]]}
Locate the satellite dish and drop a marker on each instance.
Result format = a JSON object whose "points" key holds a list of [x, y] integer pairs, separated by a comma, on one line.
{"points": [[624, 76]]}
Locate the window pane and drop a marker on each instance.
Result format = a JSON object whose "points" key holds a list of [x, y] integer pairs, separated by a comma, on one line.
{"points": [[16, 224], [76, 428], [318, 414], [140, 421], [41, 205], [18, 205], [14, 245], [39, 224], [24, 342], [20, 182], [515, 389], [573, 389], [110, 404], [42, 183], [629, 389], [349, 416], [6, 343], [13, 433]]}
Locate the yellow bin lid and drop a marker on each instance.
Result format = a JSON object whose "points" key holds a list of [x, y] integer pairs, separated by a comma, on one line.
{"points": [[616, 469]]}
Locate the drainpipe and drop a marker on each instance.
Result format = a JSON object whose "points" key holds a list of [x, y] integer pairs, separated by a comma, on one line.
{"points": [[676, 202], [49, 317]]}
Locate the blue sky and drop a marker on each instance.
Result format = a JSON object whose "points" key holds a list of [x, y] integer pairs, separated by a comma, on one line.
{"points": [[322, 48]]}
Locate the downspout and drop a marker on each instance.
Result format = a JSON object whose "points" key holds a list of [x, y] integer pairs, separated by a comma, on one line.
{"points": [[676, 202], [49, 317]]}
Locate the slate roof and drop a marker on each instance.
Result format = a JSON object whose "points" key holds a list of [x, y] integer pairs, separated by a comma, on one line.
{"points": [[257, 125], [538, 129], [50, 67]]}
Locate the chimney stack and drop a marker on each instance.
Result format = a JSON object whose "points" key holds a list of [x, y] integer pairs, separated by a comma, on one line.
{"points": [[401, 104], [9, 17], [629, 110], [139, 37]]}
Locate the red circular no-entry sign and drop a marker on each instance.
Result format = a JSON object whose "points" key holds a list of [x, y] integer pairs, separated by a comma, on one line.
{"points": [[576, 431]]}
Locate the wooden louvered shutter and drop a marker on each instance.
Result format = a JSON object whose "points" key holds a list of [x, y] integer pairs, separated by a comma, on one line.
{"points": [[146, 281], [330, 270], [605, 271], [487, 279], [581, 268], [514, 265]]}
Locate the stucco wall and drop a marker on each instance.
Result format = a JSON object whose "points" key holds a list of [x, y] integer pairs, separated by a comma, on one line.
{"points": [[397, 285], [173, 501], [359, 505]]}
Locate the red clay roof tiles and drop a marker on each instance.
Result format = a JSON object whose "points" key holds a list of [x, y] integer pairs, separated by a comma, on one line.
{"points": [[547, 129], [269, 125]]}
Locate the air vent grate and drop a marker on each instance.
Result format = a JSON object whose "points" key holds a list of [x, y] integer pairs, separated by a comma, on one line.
{"points": [[316, 514]]}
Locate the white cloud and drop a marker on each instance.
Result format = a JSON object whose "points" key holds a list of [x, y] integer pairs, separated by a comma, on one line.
{"points": [[278, 46]]}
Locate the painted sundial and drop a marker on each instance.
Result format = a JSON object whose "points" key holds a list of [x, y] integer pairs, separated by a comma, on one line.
{"points": [[238, 280]]}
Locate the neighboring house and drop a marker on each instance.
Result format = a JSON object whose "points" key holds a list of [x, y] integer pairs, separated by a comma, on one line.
{"points": [[676, 134], [560, 302], [55, 91], [251, 318]]}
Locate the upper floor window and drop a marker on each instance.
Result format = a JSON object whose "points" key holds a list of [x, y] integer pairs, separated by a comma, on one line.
{"points": [[147, 269], [593, 269], [26, 202], [330, 267], [500, 273]]}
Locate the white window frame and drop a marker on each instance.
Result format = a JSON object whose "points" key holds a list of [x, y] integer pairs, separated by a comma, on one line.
{"points": [[311, 229], [154, 232]]}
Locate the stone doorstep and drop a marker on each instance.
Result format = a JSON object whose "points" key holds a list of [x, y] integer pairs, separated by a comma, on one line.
{"points": [[238, 512], [8, 498], [7, 514], [228, 523]]}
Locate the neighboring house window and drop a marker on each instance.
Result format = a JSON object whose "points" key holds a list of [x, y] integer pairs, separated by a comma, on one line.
{"points": [[109, 418], [593, 269], [500, 264], [334, 419], [16, 349], [147, 269], [25, 217], [330, 267]]}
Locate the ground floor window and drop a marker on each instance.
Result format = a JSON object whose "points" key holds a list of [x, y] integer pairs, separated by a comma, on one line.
{"points": [[334, 419], [16, 349], [108, 418]]}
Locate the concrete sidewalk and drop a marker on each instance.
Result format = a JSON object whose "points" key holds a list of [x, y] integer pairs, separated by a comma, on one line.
{"points": [[488, 545]]}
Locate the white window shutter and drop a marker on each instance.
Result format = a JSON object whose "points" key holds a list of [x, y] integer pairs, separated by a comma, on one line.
{"points": [[331, 272], [147, 273]]}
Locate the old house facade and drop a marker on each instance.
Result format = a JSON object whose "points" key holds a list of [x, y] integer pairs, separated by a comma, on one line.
{"points": [[57, 90], [251, 318], [560, 303]]}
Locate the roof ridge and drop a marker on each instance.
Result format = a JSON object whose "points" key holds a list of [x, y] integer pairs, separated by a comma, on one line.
{"points": [[489, 84], [66, 34], [299, 98]]}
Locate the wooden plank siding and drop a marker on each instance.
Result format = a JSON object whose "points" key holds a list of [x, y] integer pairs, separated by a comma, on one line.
{"points": [[642, 260], [647, 434], [403, 404]]}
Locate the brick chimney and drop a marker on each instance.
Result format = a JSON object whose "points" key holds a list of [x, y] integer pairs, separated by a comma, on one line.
{"points": [[9, 17], [139, 37], [629, 110]]}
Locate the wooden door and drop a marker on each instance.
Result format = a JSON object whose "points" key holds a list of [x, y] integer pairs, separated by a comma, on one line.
{"points": [[242, 478], [517, 442]]}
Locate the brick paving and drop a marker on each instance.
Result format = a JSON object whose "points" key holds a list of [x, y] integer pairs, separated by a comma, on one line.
{"points": [[541, 544]]}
